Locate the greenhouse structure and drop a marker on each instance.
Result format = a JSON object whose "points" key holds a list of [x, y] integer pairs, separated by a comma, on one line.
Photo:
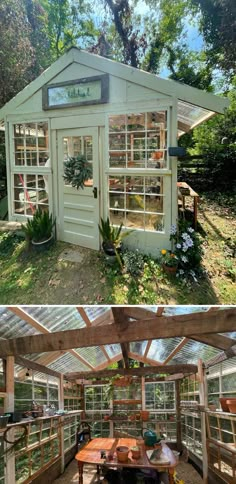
{"points": [[71, 375], [125, 123]]}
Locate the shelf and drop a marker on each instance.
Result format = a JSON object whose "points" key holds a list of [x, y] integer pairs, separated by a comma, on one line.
{"points": [[127, 402]]}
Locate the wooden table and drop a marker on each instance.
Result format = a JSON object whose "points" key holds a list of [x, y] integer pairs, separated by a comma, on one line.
{"points": [[192, 194], [91, 454]]}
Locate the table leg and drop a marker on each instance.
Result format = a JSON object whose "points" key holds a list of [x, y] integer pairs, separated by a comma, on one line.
{"points": [[171, 476], [195, 212], [80, 468]]}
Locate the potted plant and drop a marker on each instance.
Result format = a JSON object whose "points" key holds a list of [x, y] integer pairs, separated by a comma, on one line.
{"points": [[39, 230], [212, 405], [112, 237], [169, 261]]}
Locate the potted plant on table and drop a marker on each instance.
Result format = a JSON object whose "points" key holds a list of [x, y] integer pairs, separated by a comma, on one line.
{"points": [[39, 230], [112, 237], [169, 261]]}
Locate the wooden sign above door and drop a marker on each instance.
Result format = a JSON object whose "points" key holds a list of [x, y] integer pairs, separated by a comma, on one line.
{"points": [[88, 90]]}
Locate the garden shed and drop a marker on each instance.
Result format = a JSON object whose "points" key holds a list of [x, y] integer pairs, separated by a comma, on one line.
{"points": [[123, 121], [62, 366]]}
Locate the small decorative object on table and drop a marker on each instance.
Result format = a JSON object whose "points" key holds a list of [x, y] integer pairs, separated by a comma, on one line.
{"points": [[135, 452]]}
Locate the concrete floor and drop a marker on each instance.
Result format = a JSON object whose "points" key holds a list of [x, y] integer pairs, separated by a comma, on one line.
{"points": [[184, 471]]}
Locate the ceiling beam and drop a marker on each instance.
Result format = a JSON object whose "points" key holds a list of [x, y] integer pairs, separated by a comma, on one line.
{"points": [[39, 327], [155, 328], [139, 313], [32, 365], [148, 346], [105, 364], [218, 341], [44, 360], [225, 355], [120, 319], [151, 370]]}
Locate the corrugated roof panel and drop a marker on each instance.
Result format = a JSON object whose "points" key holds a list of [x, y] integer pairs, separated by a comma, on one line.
{"points": [[92, 355], [113, 350], [138, 347], [161, 348], [56, 318], [67, 364], [11, 326], [192, 352]]}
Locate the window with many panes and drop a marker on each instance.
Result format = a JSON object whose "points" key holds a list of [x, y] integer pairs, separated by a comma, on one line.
{"points": [[137, 202], [160, 396], [138, 141], [31, 164], [96, 398]]}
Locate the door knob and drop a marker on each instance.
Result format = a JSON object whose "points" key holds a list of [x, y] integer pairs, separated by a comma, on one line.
{"points": [[95, 192]]}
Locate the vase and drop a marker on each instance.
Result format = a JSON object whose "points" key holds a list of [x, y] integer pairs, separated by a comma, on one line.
{"points": [[231, 402], [122, 453], [169, 269]]}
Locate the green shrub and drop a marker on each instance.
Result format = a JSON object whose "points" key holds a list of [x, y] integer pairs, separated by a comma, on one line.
{"points": [[133, 262]]}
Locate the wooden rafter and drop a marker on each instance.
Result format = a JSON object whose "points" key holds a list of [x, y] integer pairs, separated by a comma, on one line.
{"points": [[44, 360], [151, 370], [176, 350], [143, 359], [88, 323], [39, 327], [218, 341], [120, 319], [225, 355], [32, 365], [155, 328]]}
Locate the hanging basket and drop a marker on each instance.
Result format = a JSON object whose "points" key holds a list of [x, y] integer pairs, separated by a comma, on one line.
{"points": [[123, 381]]}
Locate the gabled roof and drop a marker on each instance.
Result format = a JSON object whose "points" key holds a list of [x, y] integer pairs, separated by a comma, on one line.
{"points": [[207, 104]]}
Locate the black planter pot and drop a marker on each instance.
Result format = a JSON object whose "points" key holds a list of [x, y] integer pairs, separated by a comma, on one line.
{"points": [[43, 245], [108, 249]]}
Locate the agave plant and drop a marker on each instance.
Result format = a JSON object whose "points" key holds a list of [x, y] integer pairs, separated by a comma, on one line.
{"points": [[40, 227], [112, 237]]}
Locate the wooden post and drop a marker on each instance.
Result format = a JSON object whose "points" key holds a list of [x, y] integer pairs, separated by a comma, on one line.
{"points": [[178, 416], [9, 407], [61, 421], [203, 401], [61, 392]]}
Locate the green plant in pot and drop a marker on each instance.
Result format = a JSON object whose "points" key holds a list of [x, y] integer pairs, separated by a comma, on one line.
{"points": [[112, 237], [39, 229]]}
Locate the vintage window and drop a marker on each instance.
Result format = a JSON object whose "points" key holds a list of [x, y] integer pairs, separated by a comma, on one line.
{"points": [[41, 388], [96, 398], [138, 140], [137, 202], [76, 145], [160, 396], [31, 168], [31, 144]]}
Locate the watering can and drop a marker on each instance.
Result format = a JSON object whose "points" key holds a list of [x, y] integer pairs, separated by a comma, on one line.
{"points": [[150, 438]]}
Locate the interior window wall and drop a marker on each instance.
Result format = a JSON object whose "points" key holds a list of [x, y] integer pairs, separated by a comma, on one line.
{"points": [[43, 390]]}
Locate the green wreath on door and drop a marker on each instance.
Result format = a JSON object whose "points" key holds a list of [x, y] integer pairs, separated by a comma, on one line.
{"points": [[77, 170]]}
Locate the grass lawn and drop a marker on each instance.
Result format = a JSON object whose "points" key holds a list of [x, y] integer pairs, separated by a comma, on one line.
{"points": [[49, 278]]}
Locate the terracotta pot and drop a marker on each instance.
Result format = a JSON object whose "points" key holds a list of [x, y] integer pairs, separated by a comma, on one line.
{"points": [[231, 402], [123, 381], [106, 417], [223, 403], [144, 415], [169, 270], [135, 453], [122, 453], [157, 155]]}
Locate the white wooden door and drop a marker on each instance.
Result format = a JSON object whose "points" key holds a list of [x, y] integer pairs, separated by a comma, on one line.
{"points": [[79, 209]]}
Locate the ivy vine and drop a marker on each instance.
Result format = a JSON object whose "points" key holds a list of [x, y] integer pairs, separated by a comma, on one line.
{"points": [[77, 171]]}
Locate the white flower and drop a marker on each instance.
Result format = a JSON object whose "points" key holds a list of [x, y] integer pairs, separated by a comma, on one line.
{"points": [[190, 230], [173, 229], [178, 246], [184, 259], [185, 235], [185, 247], [181, 272]]}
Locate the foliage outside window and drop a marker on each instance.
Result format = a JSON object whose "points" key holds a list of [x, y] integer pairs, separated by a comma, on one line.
{"points": [[96, 398], [137, 202], [72, 396], [43, 391], [160, 396]]}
